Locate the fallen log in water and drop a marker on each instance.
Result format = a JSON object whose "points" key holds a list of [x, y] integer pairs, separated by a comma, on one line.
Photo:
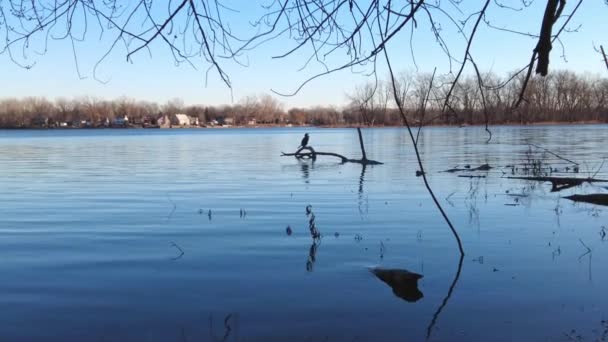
{"points": [[561, 183], [599, 199], [312, 154]]}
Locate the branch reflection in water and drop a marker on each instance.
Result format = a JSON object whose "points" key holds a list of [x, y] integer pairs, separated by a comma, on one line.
{"points": [[445, 301], [362, 200], [230, 327], [315, 234], [312, 256], [403, 282]]}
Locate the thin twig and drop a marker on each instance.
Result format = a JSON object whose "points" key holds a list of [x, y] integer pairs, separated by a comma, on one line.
{"points": [[587, 247], [604, 55], [553, 153], [181, 251], [173, 209], [418, 157]]}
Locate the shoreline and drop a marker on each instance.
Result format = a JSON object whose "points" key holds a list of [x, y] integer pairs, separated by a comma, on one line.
{"points": [[548, 123]]}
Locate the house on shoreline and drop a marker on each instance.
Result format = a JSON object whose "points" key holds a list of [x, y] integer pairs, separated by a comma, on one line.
{"points": [[177, 120], [120, 121]]}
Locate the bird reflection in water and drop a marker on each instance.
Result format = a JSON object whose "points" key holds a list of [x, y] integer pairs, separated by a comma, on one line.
{"points": [[305, 167], [404, 283]]}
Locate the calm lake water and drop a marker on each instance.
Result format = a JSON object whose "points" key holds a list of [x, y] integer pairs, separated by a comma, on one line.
{"points": [[93, 224]]}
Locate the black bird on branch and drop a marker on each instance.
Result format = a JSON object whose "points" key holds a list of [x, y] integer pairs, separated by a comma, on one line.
{"points": [[304, 141]]}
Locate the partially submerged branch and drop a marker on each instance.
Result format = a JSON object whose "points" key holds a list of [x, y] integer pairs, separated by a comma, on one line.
{"points": [[312, 154], [599, 199], [468, 168], [562, 183]]}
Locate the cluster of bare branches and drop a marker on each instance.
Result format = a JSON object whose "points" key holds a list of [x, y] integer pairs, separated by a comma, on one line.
{"points": [[191, 30], [359, 31], [334, 34]]}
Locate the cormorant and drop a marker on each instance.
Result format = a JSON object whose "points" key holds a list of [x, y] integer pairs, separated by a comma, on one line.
{"points": [[304, 140]]}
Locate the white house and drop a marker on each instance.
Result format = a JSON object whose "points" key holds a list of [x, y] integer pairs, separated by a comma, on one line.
{"points": [[180, 120]]}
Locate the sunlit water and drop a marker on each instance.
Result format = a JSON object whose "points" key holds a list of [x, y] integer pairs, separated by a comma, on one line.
{"points": [[93, 224]]}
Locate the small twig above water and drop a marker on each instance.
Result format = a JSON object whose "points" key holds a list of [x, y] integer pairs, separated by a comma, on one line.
{"points": [[604, 55], [556, 252], [172, 210], [553, 153], [447, 199], [181, 251], [587, 247], [599, 168], [227, 327]]}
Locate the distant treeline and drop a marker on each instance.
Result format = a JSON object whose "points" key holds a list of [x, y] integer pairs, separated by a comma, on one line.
{"points": [[562, 96]]}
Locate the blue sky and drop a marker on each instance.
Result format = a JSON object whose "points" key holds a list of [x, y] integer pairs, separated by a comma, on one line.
{"points": [[155, 77]]}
